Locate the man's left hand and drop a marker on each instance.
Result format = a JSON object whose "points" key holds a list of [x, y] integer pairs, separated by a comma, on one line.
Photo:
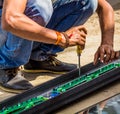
{"points": [[105, 54]]}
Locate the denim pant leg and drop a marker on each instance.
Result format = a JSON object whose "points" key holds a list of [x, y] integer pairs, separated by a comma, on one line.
{"points": [[67, 13], [14, 51]]}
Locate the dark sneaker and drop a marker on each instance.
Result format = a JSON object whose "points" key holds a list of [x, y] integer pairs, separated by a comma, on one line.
{"points": [[50, 65], [12, 81]]}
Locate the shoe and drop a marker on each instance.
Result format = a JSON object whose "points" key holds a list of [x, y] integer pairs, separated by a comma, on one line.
{"points": [[12, 81], [52, 65]]}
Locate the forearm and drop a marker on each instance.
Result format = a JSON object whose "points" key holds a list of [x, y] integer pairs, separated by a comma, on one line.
{"points": [[26, 28], [22, 26], [106, 19], [15, 21]]}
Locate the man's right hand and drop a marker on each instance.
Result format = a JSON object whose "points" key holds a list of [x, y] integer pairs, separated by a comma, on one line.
{"points": [[77, 36]]}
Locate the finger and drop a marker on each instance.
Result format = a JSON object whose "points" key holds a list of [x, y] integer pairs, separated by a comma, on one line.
{"points": [[107, 58], [102, 54], [83, 40], [117, 54], [82, 43], [96, 57], [80, 39], [83, 35], [82, 28], [112, 56]]}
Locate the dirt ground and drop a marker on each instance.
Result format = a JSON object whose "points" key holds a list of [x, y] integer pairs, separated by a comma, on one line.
{"points": [[70, 56]]}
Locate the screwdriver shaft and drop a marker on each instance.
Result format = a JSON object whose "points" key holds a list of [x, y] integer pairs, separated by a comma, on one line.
{"points": [[79, 51], [79, 64]]}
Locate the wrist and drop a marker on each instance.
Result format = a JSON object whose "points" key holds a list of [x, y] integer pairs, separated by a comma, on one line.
{"points": [[107, 38], [110, 43], [62, 39], [66, 38]]}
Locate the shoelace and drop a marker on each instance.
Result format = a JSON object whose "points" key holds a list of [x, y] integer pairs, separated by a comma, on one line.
{"points": [[54, 61]]}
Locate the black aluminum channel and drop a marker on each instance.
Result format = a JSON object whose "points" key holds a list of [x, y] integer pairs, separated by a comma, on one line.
{"points": [[67, 97], [35, 91], [75, 93]]}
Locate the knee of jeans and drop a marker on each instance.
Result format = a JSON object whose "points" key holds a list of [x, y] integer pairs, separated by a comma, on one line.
{"points": [[93, 4]]}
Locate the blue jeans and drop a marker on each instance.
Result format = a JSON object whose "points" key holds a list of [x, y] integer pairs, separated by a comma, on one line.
{"points": [[15, 51]]}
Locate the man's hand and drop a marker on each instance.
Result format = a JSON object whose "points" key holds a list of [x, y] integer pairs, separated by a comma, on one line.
{"points": [[77, 36], [105, 54]]}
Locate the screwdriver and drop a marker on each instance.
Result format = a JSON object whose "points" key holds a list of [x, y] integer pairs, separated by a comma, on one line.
{"points": [[79, 51]]}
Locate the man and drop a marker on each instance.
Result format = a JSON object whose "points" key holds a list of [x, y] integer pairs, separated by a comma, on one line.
{"points": [[30, 37]]}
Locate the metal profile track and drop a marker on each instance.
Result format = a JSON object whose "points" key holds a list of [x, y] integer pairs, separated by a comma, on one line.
{"points": [[64, 98]]}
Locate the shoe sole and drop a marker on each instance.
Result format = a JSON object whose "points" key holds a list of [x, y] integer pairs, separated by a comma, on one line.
{"points": [[11, 90], [42, 71]]}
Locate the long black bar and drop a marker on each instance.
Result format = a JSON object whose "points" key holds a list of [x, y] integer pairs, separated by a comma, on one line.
{"points": [[67, 97]]}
